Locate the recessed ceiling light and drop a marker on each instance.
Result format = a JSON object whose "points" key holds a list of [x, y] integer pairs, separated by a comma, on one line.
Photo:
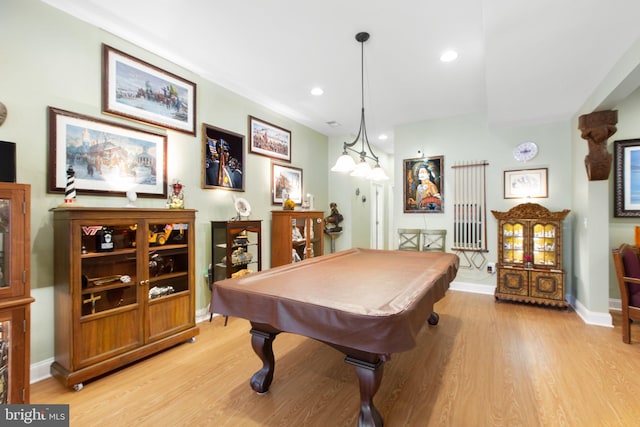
{"points": [[448, 56], [316, 91], [333, 124], [383, 137]]}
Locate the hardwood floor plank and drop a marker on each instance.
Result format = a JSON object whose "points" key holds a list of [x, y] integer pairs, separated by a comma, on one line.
{"points": [[484, 364]]}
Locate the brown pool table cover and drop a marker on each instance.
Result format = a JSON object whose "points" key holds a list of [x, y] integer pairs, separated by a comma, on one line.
{"points": [[370, 300]]}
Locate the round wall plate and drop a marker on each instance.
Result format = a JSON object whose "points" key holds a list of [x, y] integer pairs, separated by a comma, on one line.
{"points": [[525, 151], [242, 207]]}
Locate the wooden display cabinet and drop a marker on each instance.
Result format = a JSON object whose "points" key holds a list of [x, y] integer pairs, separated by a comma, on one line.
{"points": [[235, 246], [15, 289], [529, 267], [296, 235], [124, 287]]}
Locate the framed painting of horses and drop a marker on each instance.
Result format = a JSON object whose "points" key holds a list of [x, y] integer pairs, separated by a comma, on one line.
{"points": [[93, 156], [223, 159], [140, 91], [269, 140]]}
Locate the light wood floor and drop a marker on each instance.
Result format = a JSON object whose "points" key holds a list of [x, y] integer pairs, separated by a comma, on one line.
{"points": [[485, 364]]}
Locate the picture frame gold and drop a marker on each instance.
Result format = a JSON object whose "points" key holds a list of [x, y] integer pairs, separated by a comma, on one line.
{"points": [[137, 90]]}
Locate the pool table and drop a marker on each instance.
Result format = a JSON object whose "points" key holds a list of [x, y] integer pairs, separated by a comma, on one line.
{"points": [[365, 303]]}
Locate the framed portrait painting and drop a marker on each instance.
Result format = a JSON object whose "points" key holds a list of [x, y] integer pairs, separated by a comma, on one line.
{"points": [[269, 140], [286, 181], [626, 201], [140, 91], [525, 183], [223, 159], [105, 158], [424, 185]]}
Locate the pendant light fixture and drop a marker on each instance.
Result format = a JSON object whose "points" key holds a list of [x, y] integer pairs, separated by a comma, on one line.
{"points": [[345, 162]]}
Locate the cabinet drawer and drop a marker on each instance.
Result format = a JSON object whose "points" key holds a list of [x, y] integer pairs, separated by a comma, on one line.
{"points": [[513, 282], [547, 285]]}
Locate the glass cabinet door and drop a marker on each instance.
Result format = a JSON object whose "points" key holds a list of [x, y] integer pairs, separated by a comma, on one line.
{"points": [[513, 243], [108, 267], [168, 261], [5, 240], [544, 244], [315, 236], [12, 252]]}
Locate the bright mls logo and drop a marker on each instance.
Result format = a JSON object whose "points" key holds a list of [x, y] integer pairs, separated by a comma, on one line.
{"points": [[34, 415]]}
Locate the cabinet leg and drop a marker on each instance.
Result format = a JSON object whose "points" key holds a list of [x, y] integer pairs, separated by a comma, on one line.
{"points": [[262, 343]]}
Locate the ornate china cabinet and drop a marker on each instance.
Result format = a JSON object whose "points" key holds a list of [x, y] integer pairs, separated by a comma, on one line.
{"points": [[123, 287], [296, 235], [530, 257], [15, 290]]}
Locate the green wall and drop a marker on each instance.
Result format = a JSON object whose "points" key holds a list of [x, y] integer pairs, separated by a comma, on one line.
{"points": [[51, 59]]}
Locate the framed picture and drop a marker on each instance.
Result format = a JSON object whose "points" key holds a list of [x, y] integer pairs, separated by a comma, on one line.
{"points": [[286, 180], [106, 158], [269, 140], [525, 183], [424, 185], [627, 178], [222, 159], [137, 90]]}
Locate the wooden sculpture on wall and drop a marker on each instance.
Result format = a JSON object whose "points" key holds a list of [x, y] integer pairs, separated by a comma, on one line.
{"points": [[596, 128]]}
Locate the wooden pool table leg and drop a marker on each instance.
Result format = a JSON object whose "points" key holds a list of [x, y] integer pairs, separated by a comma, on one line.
{"points": [[262, 343], [369, 376]]}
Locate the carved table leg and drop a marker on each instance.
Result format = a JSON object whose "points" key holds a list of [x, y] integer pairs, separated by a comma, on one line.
{"points": [[262, 343], [369, 376]]}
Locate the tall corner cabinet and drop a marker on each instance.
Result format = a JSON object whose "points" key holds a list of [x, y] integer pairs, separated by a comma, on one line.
{"points": [[296, 235], [15, 292], [235, 246], [530, 255], [123, 287]]}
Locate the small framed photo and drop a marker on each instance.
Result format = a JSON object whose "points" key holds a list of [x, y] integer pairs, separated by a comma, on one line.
{"points": [[525, 183], [269, 140], [223, 159], [286, 180], [627, 178], [140, 91], [424, 185], [106, 158]]}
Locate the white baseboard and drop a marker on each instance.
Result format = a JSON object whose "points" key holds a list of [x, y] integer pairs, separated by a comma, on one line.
{"points": [[40, 370], [472, 287]]}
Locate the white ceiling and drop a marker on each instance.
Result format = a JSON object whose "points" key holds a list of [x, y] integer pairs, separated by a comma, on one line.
{"points": [[521, 61]]}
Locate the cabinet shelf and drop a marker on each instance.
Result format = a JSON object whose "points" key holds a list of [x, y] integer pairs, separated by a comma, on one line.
{"points": [[101, 323], [114, 253]]}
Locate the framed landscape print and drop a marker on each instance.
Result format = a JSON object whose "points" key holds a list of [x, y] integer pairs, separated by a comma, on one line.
{"points": [[286, 180], [525, 183], [137, 90], [627, 178], [223, 159], [105, 158], [424, 185], [269, 140]]}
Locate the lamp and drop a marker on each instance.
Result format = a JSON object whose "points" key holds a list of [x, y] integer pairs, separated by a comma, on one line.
{"points": [[345, 162]]}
